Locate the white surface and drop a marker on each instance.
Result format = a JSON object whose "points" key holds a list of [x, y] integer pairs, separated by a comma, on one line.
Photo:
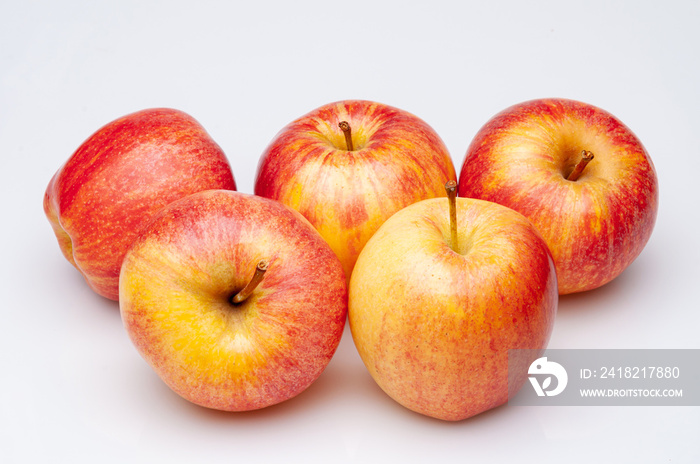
{"points": [[73, 389]]}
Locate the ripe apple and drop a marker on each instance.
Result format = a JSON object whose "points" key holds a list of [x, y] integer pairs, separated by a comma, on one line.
{"points": [[234, 300], [99, 200], [435, 304], [579, 174], [348, 166]]}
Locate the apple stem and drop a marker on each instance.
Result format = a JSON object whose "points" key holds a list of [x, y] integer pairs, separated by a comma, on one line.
{"points": [[254, 282], [345, 127], [586, 157], [451, 188]]}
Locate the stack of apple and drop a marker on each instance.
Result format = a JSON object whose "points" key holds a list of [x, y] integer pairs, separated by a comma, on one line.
{"points": [[239, 301]]}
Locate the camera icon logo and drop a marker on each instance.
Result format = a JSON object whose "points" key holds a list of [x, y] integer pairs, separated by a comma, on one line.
{"points": [[541, 367]]}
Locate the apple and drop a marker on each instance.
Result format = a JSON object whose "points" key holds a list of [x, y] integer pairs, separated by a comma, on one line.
{"points": [[579, 174], [100, 199], [234, 300], [435, 305], [348, 166]]}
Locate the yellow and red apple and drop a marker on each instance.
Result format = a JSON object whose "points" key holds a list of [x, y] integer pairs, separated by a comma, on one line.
{"points": [[234, 300], [436, 304], [348, 166], [99, 200], [579, 174]]}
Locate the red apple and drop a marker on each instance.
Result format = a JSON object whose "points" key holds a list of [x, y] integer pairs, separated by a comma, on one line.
{"points": [[433, 315], [347, 191], [99, 200], [596, 215], [215, 334]]}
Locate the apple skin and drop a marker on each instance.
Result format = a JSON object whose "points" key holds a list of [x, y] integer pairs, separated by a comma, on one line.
{"points": [[99, 200], [397, 160], [594, 226], [175, 289], [434, 326]]}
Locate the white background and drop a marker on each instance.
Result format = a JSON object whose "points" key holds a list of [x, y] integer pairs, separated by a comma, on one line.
{"points": [[73, 389]]}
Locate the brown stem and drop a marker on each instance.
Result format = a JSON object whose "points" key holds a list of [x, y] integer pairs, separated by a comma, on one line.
{"points": [[586, 157], [451, 187], [254, 282], [345, 127]]}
